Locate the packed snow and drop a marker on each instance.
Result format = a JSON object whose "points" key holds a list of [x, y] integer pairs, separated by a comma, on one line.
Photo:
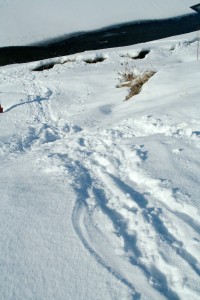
{"points": [[100, 196], [25, 22]]}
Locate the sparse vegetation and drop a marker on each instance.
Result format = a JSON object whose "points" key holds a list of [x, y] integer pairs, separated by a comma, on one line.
{"points": [[137, 84], [134, 80], [127, 75]]}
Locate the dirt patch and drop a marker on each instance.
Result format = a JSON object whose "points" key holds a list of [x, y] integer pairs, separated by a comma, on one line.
{"points": [[48, 66], [94, 60], [142, 54], [44, 67]]}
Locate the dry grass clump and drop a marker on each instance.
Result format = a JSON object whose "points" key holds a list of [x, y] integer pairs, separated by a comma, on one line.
{"points": [[127, 77], [137, 84], [134, 82]]}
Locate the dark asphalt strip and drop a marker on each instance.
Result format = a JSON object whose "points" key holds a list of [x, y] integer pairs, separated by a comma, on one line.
{"points": [[109, 37]]}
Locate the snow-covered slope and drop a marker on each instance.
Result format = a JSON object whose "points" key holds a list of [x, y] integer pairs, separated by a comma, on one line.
{"points": [[25, 21], [100, 197]]}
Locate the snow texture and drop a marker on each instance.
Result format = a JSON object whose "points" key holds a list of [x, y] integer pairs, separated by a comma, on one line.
{"points": [[100, 197]]}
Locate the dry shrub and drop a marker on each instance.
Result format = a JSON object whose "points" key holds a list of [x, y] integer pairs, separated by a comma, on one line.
{"points": [[137, 84], [134, 81], [128, 77]]}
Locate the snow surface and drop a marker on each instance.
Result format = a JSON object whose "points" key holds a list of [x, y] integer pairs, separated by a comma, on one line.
{"points": [[25, 21], [100, 197]]}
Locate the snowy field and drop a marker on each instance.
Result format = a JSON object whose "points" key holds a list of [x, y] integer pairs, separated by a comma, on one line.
{"points": [[24, 22], [100, 196]]}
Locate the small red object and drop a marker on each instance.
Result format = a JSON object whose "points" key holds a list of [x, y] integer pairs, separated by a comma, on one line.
{"points": [[1, 109]]}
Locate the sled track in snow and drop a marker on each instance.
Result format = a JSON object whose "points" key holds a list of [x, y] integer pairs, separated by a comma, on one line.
{"points": [[127, 220], [102, 201], [81, 221]]}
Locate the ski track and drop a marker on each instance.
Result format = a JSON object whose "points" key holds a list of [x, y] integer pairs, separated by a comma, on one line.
{"points": [[128, 221]]}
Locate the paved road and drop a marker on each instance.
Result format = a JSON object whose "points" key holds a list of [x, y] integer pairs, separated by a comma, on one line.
{"points": [[114, 36]]}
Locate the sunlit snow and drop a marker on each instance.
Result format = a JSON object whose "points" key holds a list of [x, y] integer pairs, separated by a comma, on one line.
{"points": [[99, 197]]}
